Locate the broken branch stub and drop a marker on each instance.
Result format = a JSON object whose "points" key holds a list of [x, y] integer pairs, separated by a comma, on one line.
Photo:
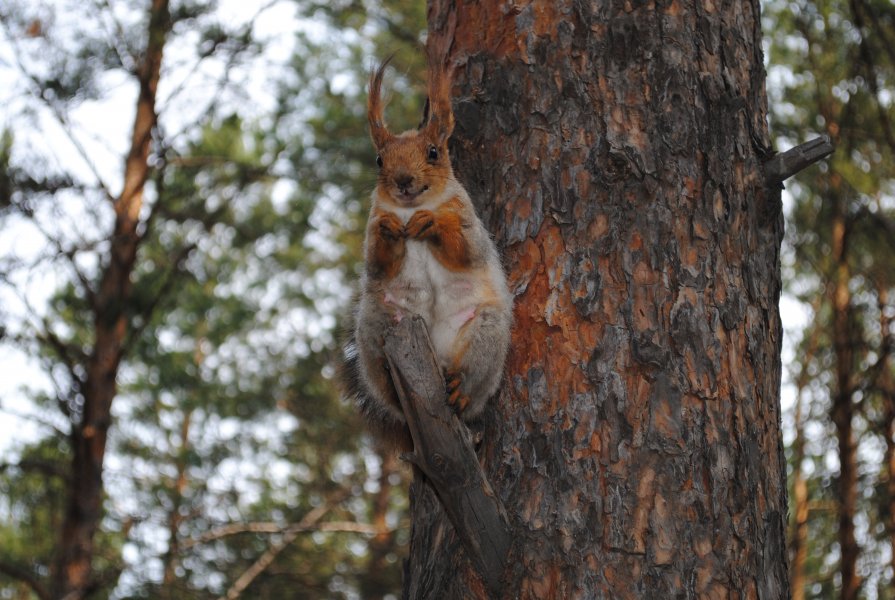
{"points": [[784, 165]]}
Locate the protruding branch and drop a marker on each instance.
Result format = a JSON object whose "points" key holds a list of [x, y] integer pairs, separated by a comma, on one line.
{"points": [[784, 165], [444, 453]]}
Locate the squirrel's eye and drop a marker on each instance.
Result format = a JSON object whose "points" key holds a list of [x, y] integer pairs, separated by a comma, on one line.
{"points": [[379, 161], [432, 154]]}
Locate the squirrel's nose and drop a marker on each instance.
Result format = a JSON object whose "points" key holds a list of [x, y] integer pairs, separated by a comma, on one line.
{"points": [[403, 181]]}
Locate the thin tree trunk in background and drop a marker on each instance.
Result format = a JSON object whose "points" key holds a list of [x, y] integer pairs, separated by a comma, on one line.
{"points": [[887, 389], [175, 518], [799, 537], [889, 509], [843, 408], [377, 583], [72, 571], [615, 150]]}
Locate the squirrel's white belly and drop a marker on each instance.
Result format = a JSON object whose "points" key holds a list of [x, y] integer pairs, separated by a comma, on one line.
{"points": [[411, 290], [445, 300]]}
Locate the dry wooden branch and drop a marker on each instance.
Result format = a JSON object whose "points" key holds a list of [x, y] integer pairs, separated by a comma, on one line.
{"points": [[289, 535], [444, 453], [784, 165], [268, 527]]}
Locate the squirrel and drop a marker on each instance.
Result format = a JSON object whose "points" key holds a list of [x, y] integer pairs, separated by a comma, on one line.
{"points": [[426, 253]]}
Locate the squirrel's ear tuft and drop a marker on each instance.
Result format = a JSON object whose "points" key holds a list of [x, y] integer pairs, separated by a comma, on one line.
{"points": [[440, 122], [375, 106], [425, 120]]}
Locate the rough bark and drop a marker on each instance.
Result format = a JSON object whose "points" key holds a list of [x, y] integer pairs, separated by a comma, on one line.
{"points": [[616, 151], [72, 572]]}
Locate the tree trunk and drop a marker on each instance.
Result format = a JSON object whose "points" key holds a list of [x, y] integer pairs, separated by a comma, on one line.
{"points": [[843, 408], [171, 558], [378, 582], [799, 537], [73, 578], [888, 508], [615, 150], [886, 385]]}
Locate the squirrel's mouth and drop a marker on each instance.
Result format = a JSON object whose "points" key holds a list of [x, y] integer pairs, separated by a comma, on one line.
{"points": [[407, 196]]}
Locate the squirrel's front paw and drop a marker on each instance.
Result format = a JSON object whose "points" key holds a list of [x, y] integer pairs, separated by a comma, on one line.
{"points": [[390, 226], [420, 224]]}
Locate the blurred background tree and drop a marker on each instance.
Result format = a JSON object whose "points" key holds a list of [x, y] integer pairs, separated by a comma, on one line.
{"points": [[832, 70]]}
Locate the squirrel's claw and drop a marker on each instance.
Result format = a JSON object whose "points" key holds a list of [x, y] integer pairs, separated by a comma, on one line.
{"points": [[452, 382], [456, 398], [390, 227]]}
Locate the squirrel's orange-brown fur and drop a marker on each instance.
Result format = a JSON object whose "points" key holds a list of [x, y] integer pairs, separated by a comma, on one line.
{"points": [[427, 254], [444, 229], [387, 244]]}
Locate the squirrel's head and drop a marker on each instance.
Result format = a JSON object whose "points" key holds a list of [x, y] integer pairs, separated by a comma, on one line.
{"points": [[414, 165]]}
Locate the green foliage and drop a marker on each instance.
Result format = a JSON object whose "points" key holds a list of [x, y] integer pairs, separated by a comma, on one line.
{"points": [[32, 497]]}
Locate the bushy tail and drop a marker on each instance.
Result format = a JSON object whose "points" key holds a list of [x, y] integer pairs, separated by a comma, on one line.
{"points": [[388, 431]]}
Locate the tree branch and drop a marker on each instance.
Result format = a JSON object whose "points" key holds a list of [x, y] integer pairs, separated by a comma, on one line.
{"points": [[784, 165], [39, 92], [25, 576], [268, 557], [266, 527], [45, 467], [444, 453], [125, 56], [170, 278], [37, 419], [71, 355]]}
